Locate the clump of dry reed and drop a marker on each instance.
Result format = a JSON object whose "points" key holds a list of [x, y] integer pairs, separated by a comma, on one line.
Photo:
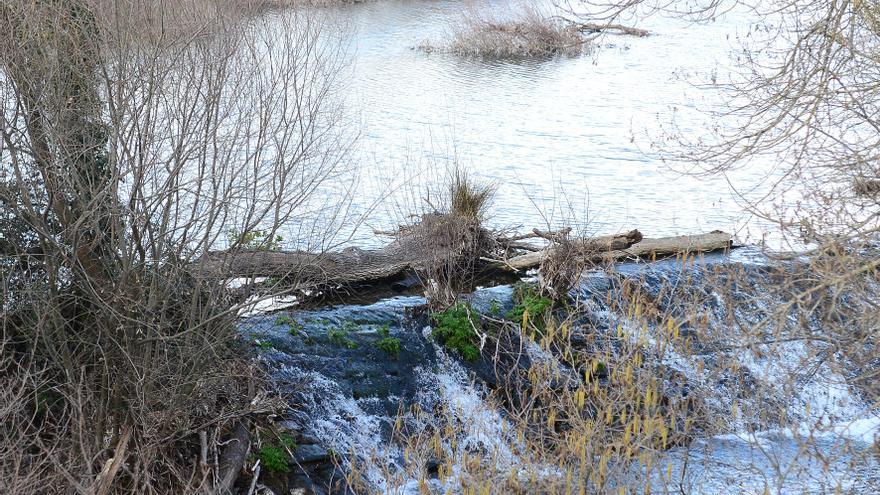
{"points": [[527, 33]]}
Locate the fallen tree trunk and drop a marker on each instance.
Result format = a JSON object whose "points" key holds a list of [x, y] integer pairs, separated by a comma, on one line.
{"points": [[410, 254], [609, 249]]}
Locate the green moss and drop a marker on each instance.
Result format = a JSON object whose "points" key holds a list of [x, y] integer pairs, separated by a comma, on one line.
{"points": [[390, 345], [339, 336], [287, 441], [274, 458], [529, 300], [293, 327], [455, 328]]}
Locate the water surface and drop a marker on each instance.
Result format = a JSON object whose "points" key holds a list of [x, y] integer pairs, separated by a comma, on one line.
{"points": [[562, 136]]}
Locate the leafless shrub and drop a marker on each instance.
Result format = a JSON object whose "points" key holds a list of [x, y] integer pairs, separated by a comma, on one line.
{"points": [[132, 141], [528, 33], [563, 268]]}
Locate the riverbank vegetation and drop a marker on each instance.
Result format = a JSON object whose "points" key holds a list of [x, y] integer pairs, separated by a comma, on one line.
{"points": [[134, 137], [523, 31]]}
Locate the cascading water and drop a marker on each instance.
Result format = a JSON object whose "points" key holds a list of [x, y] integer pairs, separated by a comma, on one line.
{"points": [[780, 422]]}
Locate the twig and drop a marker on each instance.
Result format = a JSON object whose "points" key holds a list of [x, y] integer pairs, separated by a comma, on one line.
{"points": [[256, 471], [550, 235]]}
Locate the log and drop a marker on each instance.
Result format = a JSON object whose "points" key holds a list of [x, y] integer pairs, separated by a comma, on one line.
{"points": [[677, 245], [590, 246], [434, 237], [598, 28], [608, 249], [422, 245], [233, 458]]}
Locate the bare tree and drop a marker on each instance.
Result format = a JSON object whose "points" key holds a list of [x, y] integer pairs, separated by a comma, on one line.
{"points": [[135, 138]]}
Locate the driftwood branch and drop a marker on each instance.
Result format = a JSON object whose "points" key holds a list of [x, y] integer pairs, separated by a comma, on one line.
{"points": [[535, 233], [620, 28], [615, 248], [233, 458]]}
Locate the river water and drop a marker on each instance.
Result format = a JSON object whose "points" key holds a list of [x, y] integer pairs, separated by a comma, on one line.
{"points": [[349, 396], [564, 138]]}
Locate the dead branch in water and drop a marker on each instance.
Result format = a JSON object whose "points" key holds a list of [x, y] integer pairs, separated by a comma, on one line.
{"points": [[590, 27]]}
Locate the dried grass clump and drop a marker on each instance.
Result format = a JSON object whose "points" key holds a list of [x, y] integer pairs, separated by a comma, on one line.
{"points": [[450, 239], [527, 34], [467, 198]]}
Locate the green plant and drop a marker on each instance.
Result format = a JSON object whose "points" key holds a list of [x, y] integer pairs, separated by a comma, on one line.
{"points": [[339, 336], [274, 458], [258, 240], [457, 330], [531, 306], [293, 327], [287, 441], [390, 345], [384, 330], [494, 307]]}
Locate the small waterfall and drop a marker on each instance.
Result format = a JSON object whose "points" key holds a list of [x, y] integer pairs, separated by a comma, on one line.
{"points": [[781, 421]]}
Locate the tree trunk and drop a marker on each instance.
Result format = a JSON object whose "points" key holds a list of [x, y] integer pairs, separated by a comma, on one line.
{"points": [[404, 256]]}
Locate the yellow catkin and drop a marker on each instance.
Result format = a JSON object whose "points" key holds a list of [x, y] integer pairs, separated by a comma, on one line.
{"points": [[664, 433]]}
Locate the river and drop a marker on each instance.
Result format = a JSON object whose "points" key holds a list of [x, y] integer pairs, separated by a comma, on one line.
{"points": [[564, 138]]}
